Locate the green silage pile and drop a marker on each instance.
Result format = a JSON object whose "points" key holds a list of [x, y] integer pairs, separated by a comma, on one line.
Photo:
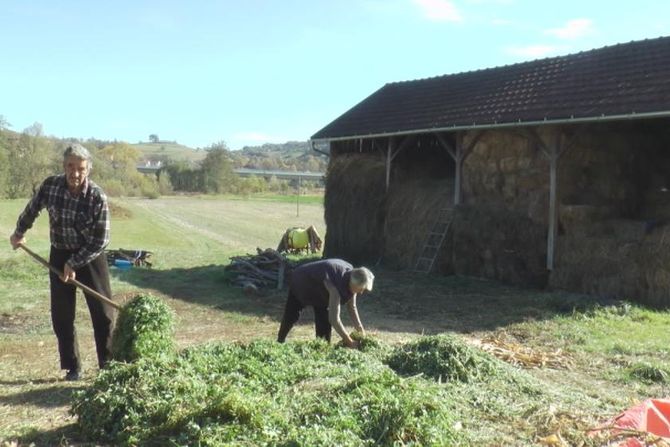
{"points": [[264, 393], [434, 391], [144, 329], [444, 358]]}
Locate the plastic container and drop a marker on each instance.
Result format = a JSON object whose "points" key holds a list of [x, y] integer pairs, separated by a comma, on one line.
{"points": [[122, 264]]}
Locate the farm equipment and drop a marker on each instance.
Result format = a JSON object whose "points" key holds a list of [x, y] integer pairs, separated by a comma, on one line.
{"points": [[296, 240]]}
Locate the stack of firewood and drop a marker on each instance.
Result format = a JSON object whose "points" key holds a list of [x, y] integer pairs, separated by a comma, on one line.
{"points": [[264, 270]]}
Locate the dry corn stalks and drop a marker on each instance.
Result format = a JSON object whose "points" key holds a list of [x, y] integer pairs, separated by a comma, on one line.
{"points": [[524, 356]]}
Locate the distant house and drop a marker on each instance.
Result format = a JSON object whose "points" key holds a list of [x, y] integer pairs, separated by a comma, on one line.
{"points": [[151, 167], [557, 172]]}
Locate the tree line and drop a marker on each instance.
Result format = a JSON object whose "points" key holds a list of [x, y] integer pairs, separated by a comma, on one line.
{"points": [[28, 157]]}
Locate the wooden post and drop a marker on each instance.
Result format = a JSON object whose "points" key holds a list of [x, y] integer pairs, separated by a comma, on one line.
{"points": [[389, 158], [459, 152], [553, 152], [458, 174], [297, 198]]}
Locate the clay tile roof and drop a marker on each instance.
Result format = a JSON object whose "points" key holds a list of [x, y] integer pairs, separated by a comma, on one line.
{"points": [[614, 81]]}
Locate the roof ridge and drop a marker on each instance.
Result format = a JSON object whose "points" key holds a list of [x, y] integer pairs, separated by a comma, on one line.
{"points": [[529, 62], [623, 80]]}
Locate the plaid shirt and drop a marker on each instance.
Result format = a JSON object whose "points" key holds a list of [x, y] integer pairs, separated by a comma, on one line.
{"points": [[80, 223]]}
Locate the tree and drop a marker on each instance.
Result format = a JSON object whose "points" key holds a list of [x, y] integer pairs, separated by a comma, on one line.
{"points": [[35, 130], [4, 160], [4, 124], [122, 156], [154, 138], [184, 177], [217, 168], [30, 159]]}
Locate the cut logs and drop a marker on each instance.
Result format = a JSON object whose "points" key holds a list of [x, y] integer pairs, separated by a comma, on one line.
{"points": [[268, 269]]}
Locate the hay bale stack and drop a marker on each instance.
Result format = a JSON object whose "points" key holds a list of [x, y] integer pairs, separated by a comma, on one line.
{"points": [[355, 207], [494, 242], [144, 329], [615, 258], [412, 208], [657, 204]]}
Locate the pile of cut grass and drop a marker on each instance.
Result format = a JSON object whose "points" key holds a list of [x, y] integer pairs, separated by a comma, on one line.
{"points": [[264, 393], [445, 358], [437, 390], [144, 329]]}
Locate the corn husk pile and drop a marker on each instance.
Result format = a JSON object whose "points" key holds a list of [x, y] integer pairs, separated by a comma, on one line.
{"points": [[524, 356], [266, 269]]}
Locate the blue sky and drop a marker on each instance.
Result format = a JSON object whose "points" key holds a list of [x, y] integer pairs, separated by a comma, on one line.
{"points": [[251, 72]]}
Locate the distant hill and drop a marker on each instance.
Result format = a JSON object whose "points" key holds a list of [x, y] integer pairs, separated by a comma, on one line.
{"points": [[289, 156], [164, 151], [292, 155]]}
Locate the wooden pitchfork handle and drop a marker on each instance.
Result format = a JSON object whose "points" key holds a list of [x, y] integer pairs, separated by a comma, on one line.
{"points": [[83, 287]]}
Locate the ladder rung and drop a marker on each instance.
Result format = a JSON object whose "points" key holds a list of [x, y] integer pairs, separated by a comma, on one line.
{"points": [[434, 240]]}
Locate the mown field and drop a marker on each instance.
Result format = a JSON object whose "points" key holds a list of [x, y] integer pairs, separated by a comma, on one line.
{"points": [[599, 356]]}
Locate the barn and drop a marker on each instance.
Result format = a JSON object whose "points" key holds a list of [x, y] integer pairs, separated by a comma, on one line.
{"points": [[553, 172]]}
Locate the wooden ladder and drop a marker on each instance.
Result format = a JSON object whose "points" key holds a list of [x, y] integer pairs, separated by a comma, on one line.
{"points": [[426, 260]]}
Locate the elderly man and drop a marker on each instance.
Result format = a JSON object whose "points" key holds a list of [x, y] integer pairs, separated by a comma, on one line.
{"points": [[79, 232], [326, 285]]}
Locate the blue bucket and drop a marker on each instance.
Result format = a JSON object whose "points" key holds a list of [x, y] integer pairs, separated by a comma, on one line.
{"points": [[122, 264]]}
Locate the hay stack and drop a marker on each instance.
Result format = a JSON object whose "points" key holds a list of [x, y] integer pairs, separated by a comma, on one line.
{"points": [[493, 242], [617, 258], [412, 208], [355, 207]]}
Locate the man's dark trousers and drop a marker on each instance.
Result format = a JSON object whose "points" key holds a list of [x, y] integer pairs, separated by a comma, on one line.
{"points": [[63, 299]]}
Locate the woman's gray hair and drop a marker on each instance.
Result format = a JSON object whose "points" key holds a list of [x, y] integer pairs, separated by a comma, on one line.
{"points": [[79, 151], [362, 277]]}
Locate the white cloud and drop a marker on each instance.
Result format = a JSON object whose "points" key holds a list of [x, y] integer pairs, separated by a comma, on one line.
{"points": [[533, 51], [573, 29], [439, 10]]}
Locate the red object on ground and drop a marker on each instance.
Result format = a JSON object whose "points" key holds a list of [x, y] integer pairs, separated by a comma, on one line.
{"points": [[651, 416]]}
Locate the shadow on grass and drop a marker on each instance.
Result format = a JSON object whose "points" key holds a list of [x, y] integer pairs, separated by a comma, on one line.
{"points": [[207, 285], [68, 435], [29, 381], [47, 397], [401, 301]]}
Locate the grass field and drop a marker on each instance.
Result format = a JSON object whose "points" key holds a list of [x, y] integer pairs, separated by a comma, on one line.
{"points": [[609, 355]]}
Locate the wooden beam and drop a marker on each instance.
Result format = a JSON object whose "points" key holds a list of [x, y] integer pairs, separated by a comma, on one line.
{"points": [[392, 150], [459, 152], [446, 145]]}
